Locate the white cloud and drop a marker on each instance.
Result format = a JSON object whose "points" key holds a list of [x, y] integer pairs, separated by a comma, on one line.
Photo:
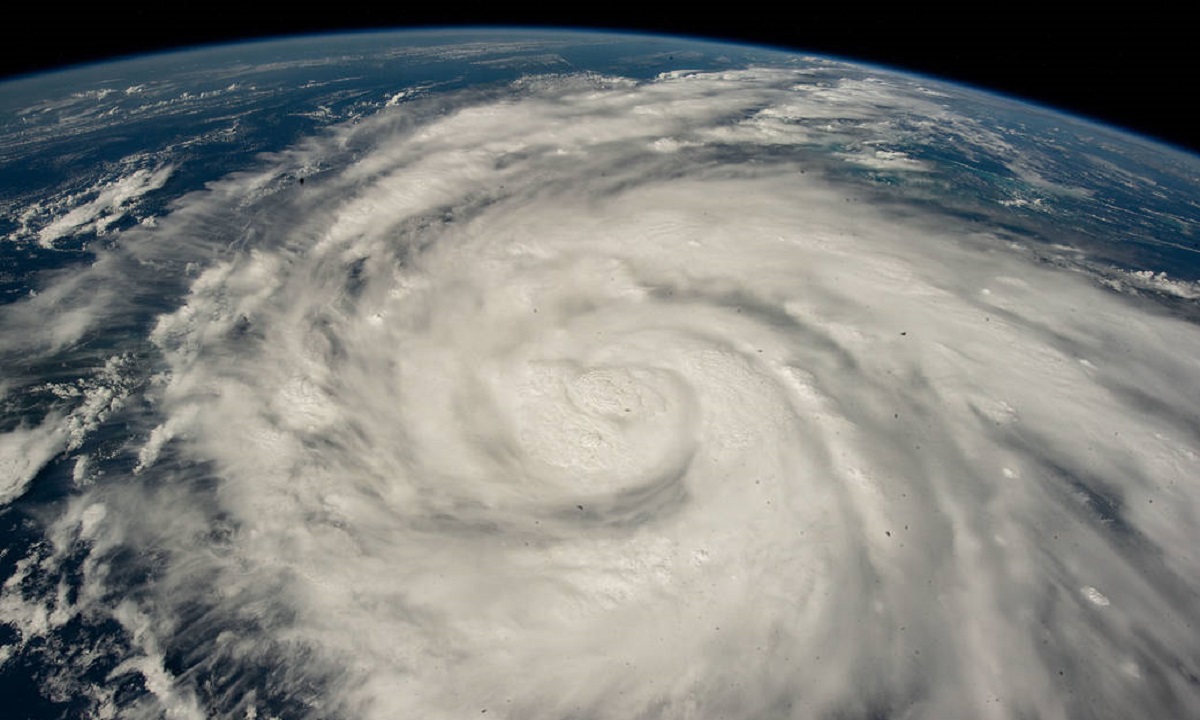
{"points": [[23, 452], [508, 413], [108, 203]]}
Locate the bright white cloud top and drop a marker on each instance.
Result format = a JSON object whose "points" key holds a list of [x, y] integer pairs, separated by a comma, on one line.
{"points": [[583, 396]]}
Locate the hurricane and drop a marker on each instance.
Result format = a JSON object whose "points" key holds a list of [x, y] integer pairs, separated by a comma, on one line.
{"points": [[586, 396]]}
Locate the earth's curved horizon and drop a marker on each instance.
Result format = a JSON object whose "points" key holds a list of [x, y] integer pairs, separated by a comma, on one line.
{"points": [[553, 374]]}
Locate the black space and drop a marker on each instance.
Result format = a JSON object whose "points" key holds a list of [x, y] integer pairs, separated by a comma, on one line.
{"points": [[1135, 67]]}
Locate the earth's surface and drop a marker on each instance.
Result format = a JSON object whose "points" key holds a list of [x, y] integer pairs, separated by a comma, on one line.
{"points": [[552, 375]]}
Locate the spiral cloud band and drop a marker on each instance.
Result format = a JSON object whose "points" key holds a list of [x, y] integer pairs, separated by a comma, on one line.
{"points": [[595, 398]]}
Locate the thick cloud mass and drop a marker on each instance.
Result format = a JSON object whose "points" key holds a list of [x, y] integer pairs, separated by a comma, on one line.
{"points": [[588, 398]]}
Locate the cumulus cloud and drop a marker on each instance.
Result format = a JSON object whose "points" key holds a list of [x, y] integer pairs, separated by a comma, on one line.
{"points": [[92, 209], [23, 451], [501, 412]]}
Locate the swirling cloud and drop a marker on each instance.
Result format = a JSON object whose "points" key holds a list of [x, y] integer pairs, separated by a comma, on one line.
{"points": [[594, 398]]}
